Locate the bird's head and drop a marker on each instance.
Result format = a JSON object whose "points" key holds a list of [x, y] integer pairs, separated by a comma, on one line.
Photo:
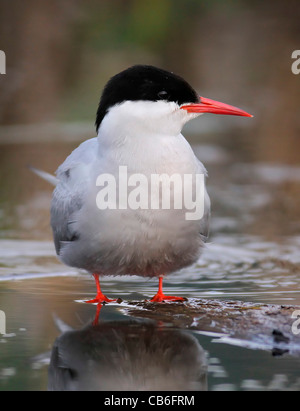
{"points": [[146, 97]]}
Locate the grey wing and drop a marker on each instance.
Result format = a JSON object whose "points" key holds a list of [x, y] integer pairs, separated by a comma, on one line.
{"points": [[64, 208], [205, 221], [69, 193]]}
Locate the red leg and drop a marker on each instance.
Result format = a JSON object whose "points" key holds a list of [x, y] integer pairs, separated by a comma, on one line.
{"points": [[160, 297], [96, 319], [100, 297]]}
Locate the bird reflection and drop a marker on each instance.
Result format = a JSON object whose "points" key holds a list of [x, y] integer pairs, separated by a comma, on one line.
{"points": [[127, 355]]}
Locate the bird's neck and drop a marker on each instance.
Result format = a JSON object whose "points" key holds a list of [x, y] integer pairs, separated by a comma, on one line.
{"points": [[136, 120]]}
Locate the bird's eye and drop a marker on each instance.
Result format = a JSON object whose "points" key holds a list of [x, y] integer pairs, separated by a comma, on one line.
{"points": [[162, 94]]}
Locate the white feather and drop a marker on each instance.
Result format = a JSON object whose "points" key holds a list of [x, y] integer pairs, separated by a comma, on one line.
{"points": [[44, 175], [146, 137]]}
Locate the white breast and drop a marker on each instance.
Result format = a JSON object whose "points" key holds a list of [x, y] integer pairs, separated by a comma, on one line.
{"points": [[145, 242]]}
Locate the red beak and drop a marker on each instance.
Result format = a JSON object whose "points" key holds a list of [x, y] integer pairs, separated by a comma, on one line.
{"points": [[207, 105]]}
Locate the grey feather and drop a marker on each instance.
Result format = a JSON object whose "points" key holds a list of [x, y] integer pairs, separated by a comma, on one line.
{"points": [[69, 193], [63, 209], [44, 175]]}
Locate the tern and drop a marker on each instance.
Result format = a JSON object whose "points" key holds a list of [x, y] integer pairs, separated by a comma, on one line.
{"points": [[130, 355], [139, 121]]}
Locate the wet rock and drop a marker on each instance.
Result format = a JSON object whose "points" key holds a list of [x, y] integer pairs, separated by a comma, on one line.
{"points": [[279, 337], [268, 324]]}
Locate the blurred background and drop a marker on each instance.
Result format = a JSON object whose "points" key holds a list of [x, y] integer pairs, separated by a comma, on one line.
{"points": [[60, 54]]}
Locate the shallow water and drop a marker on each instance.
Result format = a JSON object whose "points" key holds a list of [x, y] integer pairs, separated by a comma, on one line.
{"points": [[253, 255]]}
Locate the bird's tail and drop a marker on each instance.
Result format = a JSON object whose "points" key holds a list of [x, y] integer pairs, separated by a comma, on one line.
{"points": [[45, 176], [61, 325]]}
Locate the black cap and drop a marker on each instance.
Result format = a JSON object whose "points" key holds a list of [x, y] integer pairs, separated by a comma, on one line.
{"points": [[146, 83]]}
